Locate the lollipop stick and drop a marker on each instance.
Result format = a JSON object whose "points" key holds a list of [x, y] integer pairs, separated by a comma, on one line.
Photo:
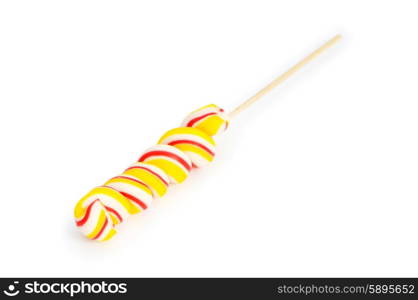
{"points": [[283, 77]]}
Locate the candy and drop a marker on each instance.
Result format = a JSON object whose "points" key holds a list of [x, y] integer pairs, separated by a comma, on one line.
{"points": [[210, 119], [154, 178], [195, 143], [100, 210], [171, 160]]}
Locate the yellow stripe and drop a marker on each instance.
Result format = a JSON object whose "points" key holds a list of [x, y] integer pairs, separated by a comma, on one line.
{"points": [[170, 168], [114, 219], [195, 149], [187, 130], [149, 179], [211, 125], [111, 233]]}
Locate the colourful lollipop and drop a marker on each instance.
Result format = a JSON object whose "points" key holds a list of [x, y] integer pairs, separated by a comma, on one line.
{"points": [[169, 162]]}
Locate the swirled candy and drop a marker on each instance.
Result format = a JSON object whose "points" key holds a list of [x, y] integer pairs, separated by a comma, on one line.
{"points": [[136, 191], [195, 143], [175, 163], [168, 162], [154, 177], [210, 119], [98, 212]]}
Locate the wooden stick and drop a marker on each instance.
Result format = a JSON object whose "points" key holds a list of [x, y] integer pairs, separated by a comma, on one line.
{"points": [[283, 77]]}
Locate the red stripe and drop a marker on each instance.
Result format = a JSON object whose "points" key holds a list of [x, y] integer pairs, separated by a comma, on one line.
{"points": [[192, 143], [86, 216], [151, 171], [168, 154], [134, 199], [101, 230], [193, 121], [114, 212]]}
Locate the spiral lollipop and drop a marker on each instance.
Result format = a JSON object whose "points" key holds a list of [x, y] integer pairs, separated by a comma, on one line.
{"points": [[168, 162]]}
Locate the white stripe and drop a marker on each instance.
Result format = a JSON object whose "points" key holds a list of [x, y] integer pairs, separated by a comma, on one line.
{"points": [[91, 222], [199, 161], [134, 191]]}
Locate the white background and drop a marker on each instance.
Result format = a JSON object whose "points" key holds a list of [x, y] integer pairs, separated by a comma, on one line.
{"points": [[317, 179]]}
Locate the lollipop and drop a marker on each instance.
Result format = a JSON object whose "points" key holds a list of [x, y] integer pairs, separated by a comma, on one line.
{"points": [[168, 162]]}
